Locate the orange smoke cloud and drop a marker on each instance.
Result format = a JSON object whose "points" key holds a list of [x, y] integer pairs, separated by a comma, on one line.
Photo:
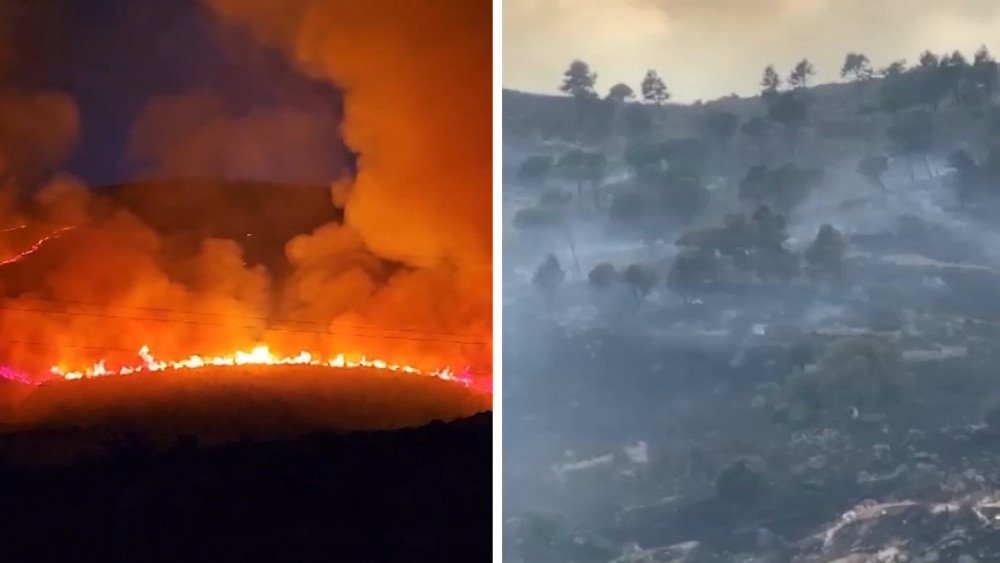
{"points": [[38, 129], [192, 136], [406, 276], [38, 133], [97, 291], [417, 83]]}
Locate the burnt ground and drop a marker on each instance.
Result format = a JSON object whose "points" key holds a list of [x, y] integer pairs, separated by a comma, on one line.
{"points": [[627, 441], [418, 494]]}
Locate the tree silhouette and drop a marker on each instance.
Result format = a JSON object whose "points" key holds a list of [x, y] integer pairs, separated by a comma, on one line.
{"points": [[641, 279], [825, 256], [857, 66], [720, 126], [800, 75], [603, 276], [967, 177], [930, 79], [534, 169], [584, 167], [895, 68], [578, 80], [952, 75], [654, 90], [985, 74], [873, 167], [912, 134], [620, 92], [770, 82], [686, 198], [782, 188], [695, 270], [638, 124], [548, 276], [928, 60]]}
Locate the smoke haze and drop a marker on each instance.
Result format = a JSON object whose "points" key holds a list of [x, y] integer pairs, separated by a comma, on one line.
{"points": [[405, 275]]}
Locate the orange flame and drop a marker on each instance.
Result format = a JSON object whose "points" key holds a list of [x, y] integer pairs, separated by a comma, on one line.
{"points": [[34, 247], [259, 355]]}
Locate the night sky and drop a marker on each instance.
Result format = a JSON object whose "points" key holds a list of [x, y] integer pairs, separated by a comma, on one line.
{"points": [[115, 57]]}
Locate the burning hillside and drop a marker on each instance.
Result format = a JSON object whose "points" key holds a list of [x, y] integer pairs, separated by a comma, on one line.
{"points": [[386, 268], [227, 304], [227, 265]]}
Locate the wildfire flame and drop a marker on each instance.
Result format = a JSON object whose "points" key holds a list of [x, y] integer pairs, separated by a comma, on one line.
{"points": [[259, 355], [34, 247]]}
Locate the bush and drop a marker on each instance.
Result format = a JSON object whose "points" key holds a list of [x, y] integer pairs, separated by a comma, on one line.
{"points": [[549, 275], [554, 197], [859, 371], [641, 278], [694, 270], [603, 276], [781, 188], [628, 207], [646, 159], [686, 199], [825, 255], [534, 169], [538, 218]]}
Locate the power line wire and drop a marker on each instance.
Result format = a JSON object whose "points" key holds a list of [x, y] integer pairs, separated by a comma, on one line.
{"points": [[248, 327]]}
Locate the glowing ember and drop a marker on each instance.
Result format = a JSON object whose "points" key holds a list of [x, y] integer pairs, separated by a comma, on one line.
{"points": [[259, 355], [34, 247]]}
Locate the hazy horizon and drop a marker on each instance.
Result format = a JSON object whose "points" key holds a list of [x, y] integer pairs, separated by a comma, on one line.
{"points": [[620, 41]]}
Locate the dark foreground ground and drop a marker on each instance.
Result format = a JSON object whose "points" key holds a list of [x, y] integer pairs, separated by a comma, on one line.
{"points": [[420, 494]]}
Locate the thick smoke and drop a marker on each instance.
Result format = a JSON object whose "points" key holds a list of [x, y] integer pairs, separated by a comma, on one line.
{"points": [[94, 291], [417, 110], [194, 135], [417, 82], [39, 130], [406, 276]]}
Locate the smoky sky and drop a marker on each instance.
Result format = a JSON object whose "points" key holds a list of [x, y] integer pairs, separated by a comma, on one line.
{"points": [[706, 49], [116, 58]]}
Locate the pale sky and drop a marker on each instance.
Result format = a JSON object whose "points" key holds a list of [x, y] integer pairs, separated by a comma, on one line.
{"points": [[706, 49]]}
